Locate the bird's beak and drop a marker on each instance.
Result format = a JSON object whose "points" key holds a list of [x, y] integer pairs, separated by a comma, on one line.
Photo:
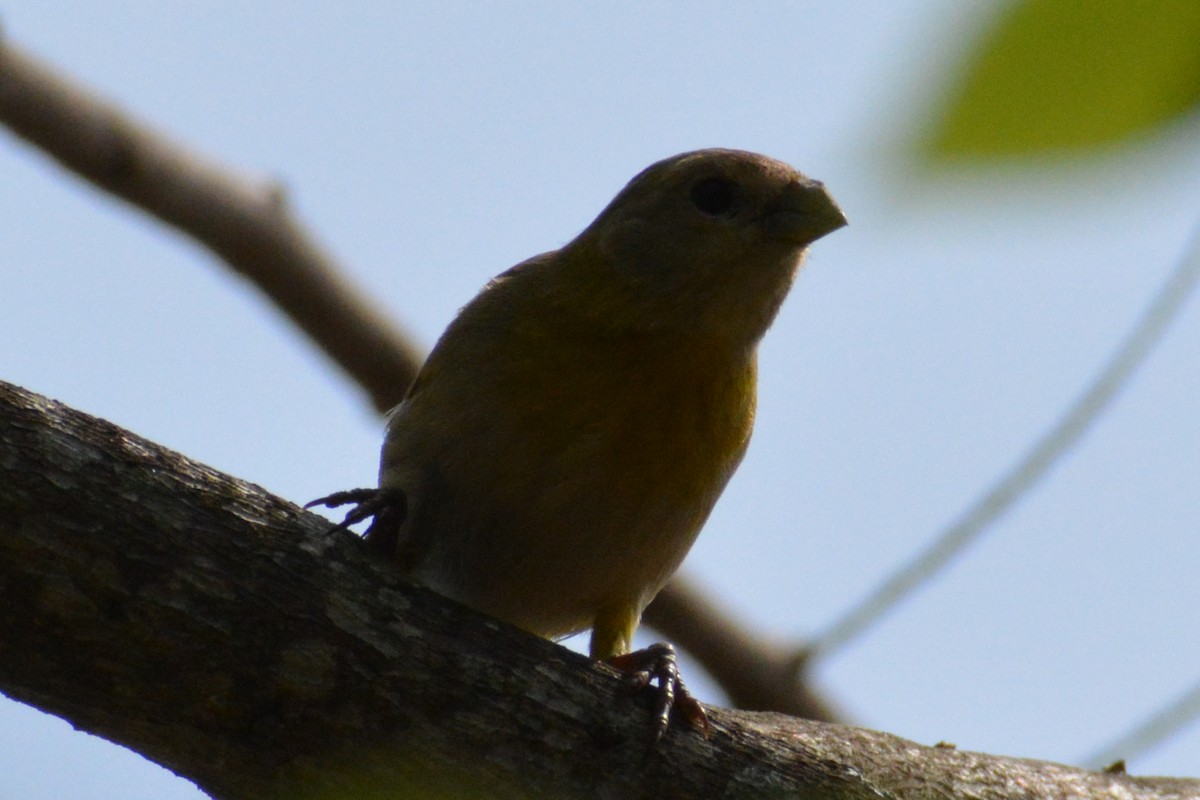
{"points": [[803, 213]]}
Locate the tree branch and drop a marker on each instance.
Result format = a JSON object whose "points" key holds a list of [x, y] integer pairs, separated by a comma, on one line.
{"points": [[221, 632], [245, 223]]}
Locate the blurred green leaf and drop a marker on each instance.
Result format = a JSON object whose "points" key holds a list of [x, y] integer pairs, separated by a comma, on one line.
{"points": [[1055, 75]]}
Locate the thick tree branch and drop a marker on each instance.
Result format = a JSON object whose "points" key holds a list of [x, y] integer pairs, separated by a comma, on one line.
{"points": [[247, 225], [223, 633]]}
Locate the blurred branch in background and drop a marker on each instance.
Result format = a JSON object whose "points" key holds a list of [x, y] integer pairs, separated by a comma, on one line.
{"points": [[244, 222], [1156, 729], [756, 673], [1065, 78], [1033, 467]]}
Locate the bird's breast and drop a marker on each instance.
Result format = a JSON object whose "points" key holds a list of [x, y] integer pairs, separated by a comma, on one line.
{"points": [[583, 480]]}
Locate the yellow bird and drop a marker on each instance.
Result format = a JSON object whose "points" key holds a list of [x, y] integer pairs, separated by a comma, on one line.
{"points": [[572, 429]]}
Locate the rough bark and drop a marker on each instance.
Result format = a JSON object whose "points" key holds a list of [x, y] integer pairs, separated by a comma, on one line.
{"points": [[223, 633]]}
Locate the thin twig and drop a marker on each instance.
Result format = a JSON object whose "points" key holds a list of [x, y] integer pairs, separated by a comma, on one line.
{"points": [[1070, 428], [1157, 728]]}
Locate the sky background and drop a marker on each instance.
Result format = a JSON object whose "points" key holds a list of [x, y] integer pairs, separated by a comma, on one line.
{"points": [[923, 350]]}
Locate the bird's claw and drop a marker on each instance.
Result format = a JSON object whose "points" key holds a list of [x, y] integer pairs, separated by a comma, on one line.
{"points": [[657, 666], [360, 497], [388, 507]]}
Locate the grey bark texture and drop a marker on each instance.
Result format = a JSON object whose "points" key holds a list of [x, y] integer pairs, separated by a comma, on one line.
{"points": [[223, 633]]}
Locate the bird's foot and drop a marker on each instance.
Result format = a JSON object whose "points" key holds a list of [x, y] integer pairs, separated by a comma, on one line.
{"points": [[657, 666], [387, 507]]}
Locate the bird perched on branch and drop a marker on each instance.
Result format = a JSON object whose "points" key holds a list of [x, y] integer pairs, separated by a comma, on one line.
{"points": [[569, 434]]}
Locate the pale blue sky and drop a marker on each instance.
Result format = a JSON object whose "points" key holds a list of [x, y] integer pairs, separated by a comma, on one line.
{"points": [[923, 349]]}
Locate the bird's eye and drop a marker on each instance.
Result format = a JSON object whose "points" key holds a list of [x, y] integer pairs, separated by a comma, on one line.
{"points": [[714, 196]]}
